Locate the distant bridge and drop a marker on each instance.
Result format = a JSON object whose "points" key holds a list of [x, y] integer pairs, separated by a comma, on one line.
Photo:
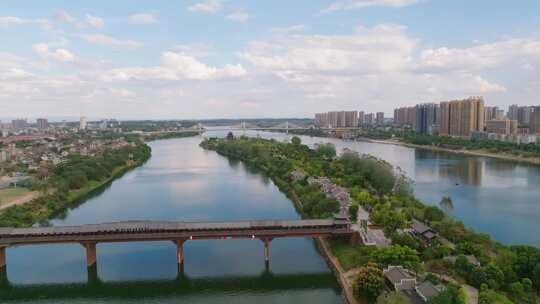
{"points": [[178, 232]]}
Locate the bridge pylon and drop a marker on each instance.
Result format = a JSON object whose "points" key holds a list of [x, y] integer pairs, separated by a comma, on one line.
{"points": [[2, 258], [91, 256], [180, 252], [266, 242]]}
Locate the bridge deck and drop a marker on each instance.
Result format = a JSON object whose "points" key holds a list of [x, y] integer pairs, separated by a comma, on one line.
{"points": [[161, 230]]}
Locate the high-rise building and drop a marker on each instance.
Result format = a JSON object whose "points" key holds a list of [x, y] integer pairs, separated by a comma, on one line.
{"points": [[513, 112], [351, 119], [534, 123], [340, 119], [462, 117], [426, 118], [19, 124], [524, 115], [361, 118], [82, 123], [369, 119], [380, 118], [42, 123], [321, 120], [504, 126], [411, 117]]}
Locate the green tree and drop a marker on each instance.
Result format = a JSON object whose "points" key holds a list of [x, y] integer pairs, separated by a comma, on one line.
{"points": [[369, 282], [396, 255], [432, 213], [326, 150], [296, 141], [446, 204]]}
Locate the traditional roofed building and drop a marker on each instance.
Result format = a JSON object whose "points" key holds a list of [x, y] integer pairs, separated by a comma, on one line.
{"points": [[427, 291], [419, 229], [399, 278]]}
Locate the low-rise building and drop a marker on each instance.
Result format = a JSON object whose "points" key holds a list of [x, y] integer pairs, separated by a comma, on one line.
{"points": [[423, 231], [399, 278]]}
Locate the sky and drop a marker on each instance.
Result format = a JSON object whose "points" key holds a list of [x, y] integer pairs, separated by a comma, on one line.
{"points": [[252, 59]]}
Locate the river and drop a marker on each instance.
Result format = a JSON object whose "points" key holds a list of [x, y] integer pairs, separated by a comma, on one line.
{"points": [[183, 182]]}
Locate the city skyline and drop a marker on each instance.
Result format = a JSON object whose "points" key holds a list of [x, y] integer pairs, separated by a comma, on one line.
{"points": [[238, 59]]}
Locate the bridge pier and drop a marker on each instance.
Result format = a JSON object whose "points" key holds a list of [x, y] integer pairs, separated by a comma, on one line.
{"points": [[266, 242], [90, 253], [2, 258], [180, 253]]}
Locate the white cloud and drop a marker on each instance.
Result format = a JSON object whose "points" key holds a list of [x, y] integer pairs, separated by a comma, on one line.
{"points": [[94, 21], [142, 19], [358, 4], [238, 16], [197, 50], [288, 30], [63, 55], [207, 7], [7, 21], [479, 57], [101, 39], [64, 16], [175, 66]]}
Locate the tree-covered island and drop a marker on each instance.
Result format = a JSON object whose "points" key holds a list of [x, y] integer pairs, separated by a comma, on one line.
{"points": [[437, 251]]}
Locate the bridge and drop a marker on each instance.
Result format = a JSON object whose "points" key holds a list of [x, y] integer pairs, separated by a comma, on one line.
{"points": [[177, 232]]}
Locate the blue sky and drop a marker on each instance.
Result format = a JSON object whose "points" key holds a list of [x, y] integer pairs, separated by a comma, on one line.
{"points": [[213, 58]]}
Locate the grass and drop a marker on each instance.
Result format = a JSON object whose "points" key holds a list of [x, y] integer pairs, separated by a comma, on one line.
{"points": [[349, 256], [74, 195], [9, 194]]}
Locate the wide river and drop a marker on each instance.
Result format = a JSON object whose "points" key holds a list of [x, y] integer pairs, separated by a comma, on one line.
{"points": [[184, 182]]}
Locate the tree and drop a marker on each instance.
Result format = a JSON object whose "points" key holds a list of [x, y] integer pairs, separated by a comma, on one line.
{"points": [[432, 213], [296, 141], [446, 204], [393, 298], [369, 282], [327, 150], [396, 255]]}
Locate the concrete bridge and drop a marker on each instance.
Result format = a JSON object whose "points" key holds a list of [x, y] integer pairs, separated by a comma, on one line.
{"points": [[178, 232]]}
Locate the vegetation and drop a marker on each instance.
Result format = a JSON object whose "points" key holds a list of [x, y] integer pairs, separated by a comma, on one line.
{"points": [[72, 180], [453, 294], [168, 135], [369, 282], [393, 298], [377, 187], [493, 146]]}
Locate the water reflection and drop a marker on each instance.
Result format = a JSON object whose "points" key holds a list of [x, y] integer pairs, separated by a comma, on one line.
{"points": [[181, 285]]}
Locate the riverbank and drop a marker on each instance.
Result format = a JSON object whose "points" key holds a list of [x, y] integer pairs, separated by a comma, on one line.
{"points": [[16, 196], [73, 182], [481, 153]]}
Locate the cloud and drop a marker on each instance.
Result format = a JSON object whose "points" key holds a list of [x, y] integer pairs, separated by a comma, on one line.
{"points": [[142, 19], [207, 7], [7, 21], [95, 21], [358, 4], [101, 39], [197, 50], [480, 57], [384, 67], [175, 66], [238, 16], [42, 49], [288, 30], [64, 16]]}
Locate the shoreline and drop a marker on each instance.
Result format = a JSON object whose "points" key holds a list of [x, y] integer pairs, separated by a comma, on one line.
{"points": [[479, 153]]}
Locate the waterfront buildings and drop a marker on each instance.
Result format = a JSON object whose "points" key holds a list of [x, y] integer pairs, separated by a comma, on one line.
{"points": [[380, 118], [504, 126], [341, 119], [82, 123], [361, 118], [513, 112], [426, 118], [462, 117], [42, 123], [524, 115], [19, 124], [534, 123], [369, 119]]}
